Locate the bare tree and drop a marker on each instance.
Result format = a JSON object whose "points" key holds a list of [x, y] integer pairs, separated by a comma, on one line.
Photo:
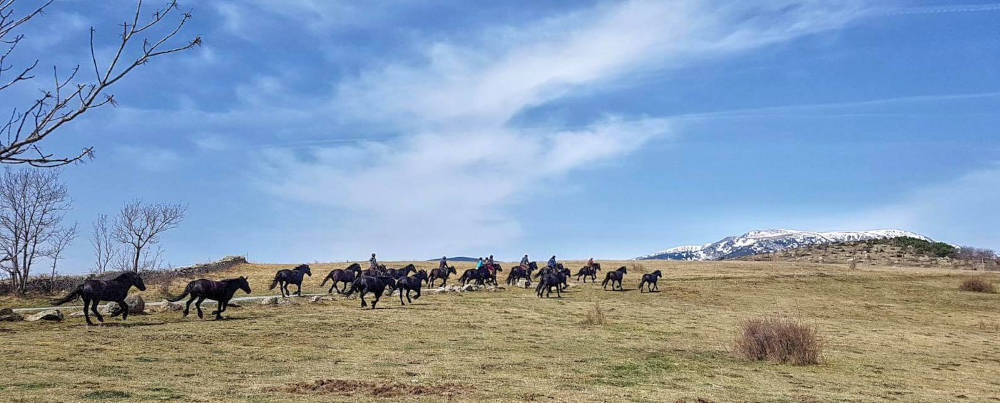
{"points": [[32, 204], [139, 225], [60, 240], [67, 98], [105, 246]]}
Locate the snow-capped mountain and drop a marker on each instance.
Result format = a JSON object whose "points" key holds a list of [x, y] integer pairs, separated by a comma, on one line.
{"points": [[755, 242]]}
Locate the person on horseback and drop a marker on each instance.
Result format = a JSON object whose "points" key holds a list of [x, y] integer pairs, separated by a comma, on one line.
{"points": [[479, 263], [590, 263], [443, 264], [552, 262], [524, 262], [372, 263], [489, 263]]}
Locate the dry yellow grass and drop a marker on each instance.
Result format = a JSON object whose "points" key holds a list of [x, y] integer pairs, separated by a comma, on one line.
{"points": [[888, 334]]}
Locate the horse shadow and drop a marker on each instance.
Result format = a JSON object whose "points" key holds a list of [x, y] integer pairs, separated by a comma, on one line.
{"points": [[129, 324]]}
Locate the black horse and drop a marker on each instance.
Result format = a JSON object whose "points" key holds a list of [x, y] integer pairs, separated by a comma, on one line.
{"points": [[649, 279], [614, 277], [517, 273], [293, 276], [481, 276], [549, 279], [411, 283], [95, 291], [400, 273], [220, 291], [374, 285], [441, 274], [345, 276], [590, 271], [493, 273]]}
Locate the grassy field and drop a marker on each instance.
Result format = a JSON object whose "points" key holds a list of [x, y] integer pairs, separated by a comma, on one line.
{"points": [[888, 334]]}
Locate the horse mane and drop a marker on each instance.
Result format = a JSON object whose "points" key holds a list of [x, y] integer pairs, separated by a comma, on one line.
{"points": [[302, 266], [124, 276], [353, 265]]}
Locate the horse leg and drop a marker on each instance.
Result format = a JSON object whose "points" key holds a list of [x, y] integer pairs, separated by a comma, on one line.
{"points": [[86, 306], [187, 308], [363, 303], [124, 307], [400, 296], [222, 307], [93, 308], [198, 305], [415, 296], [299, 285], [655, 286], [377, 296]]}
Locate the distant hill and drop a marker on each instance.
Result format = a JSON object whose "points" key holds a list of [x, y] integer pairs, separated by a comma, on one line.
{"points": [[902, 251], [456, 259], [769, 241]]}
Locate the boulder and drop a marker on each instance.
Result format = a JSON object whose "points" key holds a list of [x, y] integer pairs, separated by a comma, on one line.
{"points": [[8, 315], [51, 314], [168, 306], [522, 283], [270, 300], [135, 305]]}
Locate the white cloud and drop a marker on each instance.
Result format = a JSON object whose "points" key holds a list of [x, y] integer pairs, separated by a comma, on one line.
{"points": [[460, 164], [148, 158]]}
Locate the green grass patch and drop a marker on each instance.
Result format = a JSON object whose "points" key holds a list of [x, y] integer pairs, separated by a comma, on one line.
{"points": [[106, 394]]}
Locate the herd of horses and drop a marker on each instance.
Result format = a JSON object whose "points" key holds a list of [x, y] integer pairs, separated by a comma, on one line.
{"points": [[372, 281]]}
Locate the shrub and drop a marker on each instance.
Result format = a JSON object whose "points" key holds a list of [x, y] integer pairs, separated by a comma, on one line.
{"points": [[595, 316], [780, 340], [977, 285]]}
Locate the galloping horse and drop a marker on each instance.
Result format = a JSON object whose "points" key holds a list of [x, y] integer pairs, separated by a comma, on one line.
{"points": [[400, 273], [95, 291], [374, 285], [293, 276], [410, 284], [221, 291], [614, 277], [345, 276], [649, 280], [588, 271], [441, 274], [548, 279]]}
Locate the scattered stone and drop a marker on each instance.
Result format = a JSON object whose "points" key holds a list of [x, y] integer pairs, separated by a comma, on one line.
{"points": [[317, 298], [8, 315], [51, 314], [521, 283], [270, 301], [77, 314], [168, 306], [135, 303]]}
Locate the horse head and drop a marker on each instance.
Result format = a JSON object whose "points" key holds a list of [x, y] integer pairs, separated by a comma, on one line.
{"points": [[451, 269], [243, 284], [135, 280], [421, 275], [657, 273], [305, 269], [623, 270]]}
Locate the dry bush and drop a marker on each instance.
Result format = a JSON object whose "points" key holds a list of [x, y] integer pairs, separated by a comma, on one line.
{"points": [[852, 264], [637, 268], [595, 316], [977, 285], [777, 339]]}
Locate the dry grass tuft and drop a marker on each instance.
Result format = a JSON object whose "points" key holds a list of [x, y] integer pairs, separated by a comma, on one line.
{"points": [[977, 285], [781, 340], [595, 316], [636, 267]]}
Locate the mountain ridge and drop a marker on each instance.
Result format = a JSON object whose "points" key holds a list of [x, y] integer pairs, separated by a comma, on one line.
{"points": [[771, 240]]}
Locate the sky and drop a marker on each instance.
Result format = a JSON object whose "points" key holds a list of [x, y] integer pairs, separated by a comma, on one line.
{"points": [[308, 130]]}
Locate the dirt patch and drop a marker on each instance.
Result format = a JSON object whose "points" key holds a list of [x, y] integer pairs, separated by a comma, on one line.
{"points": [[376, 389]]}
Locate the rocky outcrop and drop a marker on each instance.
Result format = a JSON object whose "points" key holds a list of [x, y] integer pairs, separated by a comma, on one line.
{"points": [[53, 315], [8, 315]]}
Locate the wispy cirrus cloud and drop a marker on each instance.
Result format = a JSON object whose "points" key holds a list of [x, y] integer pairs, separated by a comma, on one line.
{"points": [[457, 159]]}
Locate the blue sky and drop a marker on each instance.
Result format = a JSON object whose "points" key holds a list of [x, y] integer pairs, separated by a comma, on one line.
{"points": [[323, 130]]}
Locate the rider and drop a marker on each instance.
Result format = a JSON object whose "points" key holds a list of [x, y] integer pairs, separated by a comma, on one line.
{"points": [[372, 263], [444, 262], [489, 263], [479, 263], [524, 262], [590, 263], [552, 262]]}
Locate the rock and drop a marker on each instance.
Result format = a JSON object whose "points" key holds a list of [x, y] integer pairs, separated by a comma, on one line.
{"points": [[168, 306], [470, 287], [270, 301], [77, 314], [135, 305], [51, 314], [8, 315], [521, 283], [316, 298]]}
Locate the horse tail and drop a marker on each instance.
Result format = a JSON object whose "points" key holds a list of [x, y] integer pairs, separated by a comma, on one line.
{"points": [[69, 297], [606, 279], [187, 290], [274, 283], [328, 276]]}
